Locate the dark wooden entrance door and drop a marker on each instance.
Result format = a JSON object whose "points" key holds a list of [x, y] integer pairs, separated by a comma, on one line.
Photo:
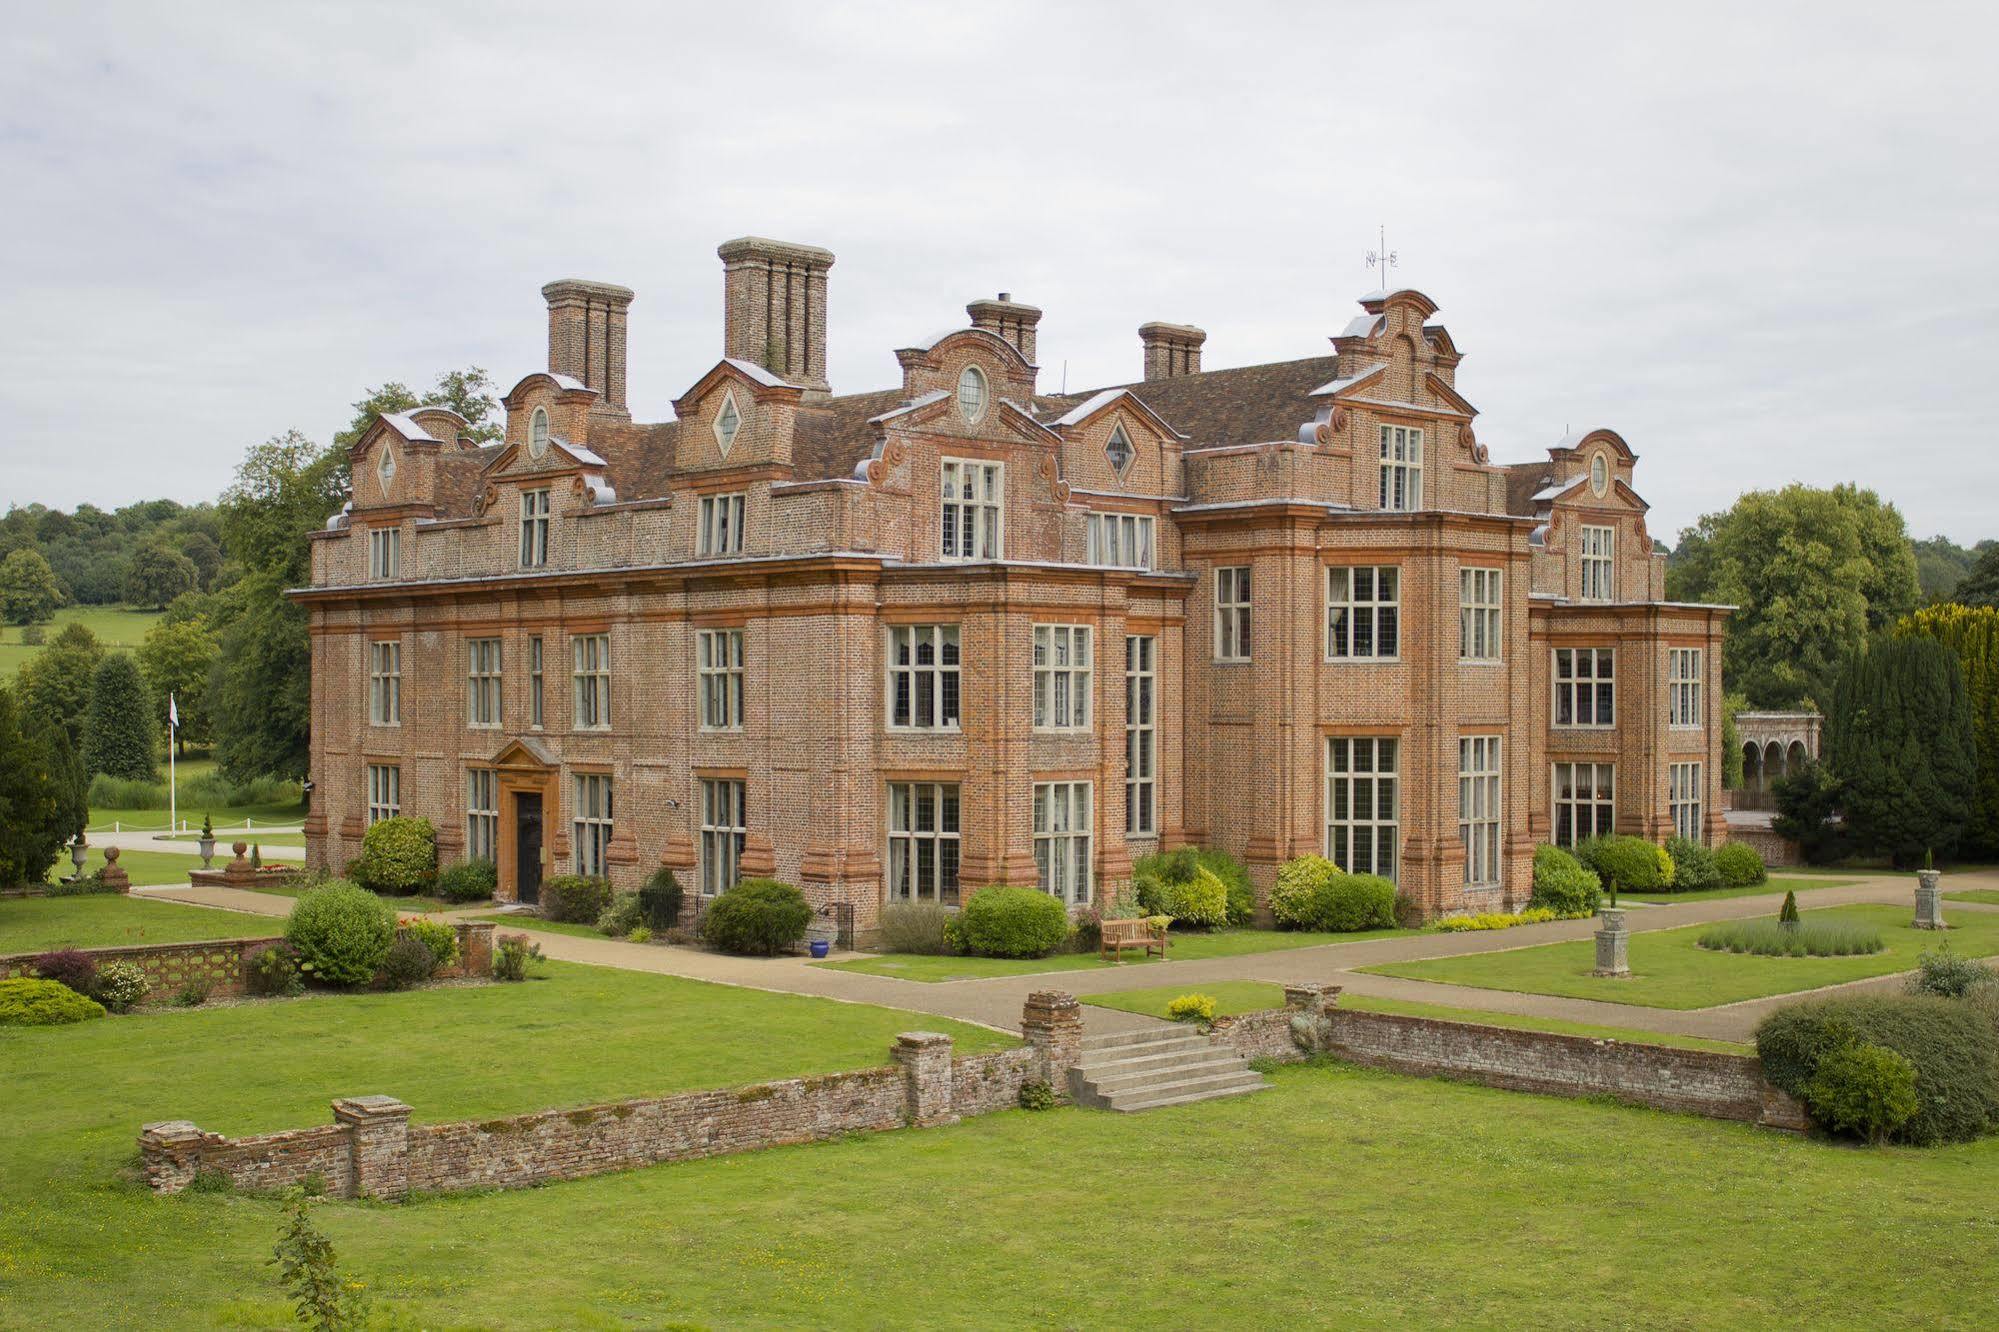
{"points": [[527, 845]]}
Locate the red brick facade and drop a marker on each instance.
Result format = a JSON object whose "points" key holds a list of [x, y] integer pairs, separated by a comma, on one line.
{"points": [[848, 553]]}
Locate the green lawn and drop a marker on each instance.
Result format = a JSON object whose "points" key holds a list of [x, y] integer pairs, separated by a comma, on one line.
{"points": [[37, 924], [506, 922], [1778, 883], [82, 1244], [1670, 971], [1347, 1197], [1189, 947], [1988, 896], [1233, 997], [116, 627]]}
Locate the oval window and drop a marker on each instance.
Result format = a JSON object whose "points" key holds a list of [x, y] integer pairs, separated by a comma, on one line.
{"points": [[971, 393], [1599, 474], [538, 433]]}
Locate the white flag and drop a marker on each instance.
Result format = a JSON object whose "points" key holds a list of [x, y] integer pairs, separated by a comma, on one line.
{"points": [[173, 713]]}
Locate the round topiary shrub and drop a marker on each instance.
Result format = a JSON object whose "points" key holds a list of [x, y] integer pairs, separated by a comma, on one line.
{"points": [[1693, 866], [760, 916], [25, 1002], [1312, 894], [1202, 900], [1739, 865], [468, 881], [398, 856], [1298, 884], [1866, 1090], [576, 898], [1010, 922], [1631, 864], [1563, 885], [341, 933]]}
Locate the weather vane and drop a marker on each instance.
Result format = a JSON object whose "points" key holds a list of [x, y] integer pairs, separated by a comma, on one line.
{"points": [[1383, 258]]}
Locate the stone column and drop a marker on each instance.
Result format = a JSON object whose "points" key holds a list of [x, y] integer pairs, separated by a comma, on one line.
{"points": [[170, 1154], [1052, 1022], [1611, 940], [925, 1057], [1929, 900], [475, 948], [378, 1134]]}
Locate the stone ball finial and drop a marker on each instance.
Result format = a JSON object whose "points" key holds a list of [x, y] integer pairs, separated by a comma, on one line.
{"points": [[239, 847], [110, 855]]}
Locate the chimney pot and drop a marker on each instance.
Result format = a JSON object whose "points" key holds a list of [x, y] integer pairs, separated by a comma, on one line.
{"points": [[1171, 350]]}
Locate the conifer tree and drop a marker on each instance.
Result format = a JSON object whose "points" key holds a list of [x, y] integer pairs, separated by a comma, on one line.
{"points": [[1972, 633], [1900, 741], [118, 737]]}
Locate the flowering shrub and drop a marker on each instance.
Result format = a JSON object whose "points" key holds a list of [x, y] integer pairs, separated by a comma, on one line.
{"points": [[1192, 1008], [121, 986]]}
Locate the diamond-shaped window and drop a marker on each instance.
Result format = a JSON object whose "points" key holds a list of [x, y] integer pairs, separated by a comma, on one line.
{"points": [[728, 421], [1118, 448], [386, 468]]}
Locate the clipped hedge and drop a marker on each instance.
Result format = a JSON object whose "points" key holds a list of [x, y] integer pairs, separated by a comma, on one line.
{"points": [[341, 933], [1693, 866], [1740, 865], [468, 881], [1952, 1046], [576, 898], [1630, 864], [1563, 885], [760, 916], [398, 856], [25, 1002], [1010, 922], [1313, 894]]}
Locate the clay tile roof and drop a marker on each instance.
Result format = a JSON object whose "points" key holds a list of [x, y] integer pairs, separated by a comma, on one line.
{"points": [[1524, 481], [458, 479], [1249, 404], [832, 435]]}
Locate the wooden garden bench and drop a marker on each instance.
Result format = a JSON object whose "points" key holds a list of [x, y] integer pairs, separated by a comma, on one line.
{"points": [[1119, 935]]}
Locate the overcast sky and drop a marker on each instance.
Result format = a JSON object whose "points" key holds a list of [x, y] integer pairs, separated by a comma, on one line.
{"points": [[1757, 239]]}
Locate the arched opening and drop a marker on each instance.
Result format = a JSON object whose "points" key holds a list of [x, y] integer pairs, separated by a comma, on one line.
{"points": [[1795, 758], [1773, 763], [1752, 768]]}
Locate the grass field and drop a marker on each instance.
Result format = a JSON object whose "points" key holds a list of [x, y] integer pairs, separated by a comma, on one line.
{"points": [[1670, 971], [1988, 896], [37, 924], [117, 627], [1188, 947], [1233, 997], [1347, 1198], [1778, 883]]}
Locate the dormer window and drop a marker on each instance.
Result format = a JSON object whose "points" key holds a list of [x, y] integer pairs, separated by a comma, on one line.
{"points": [[1599, 475], [386, 468], [728, 422], [1118, 449], [971, 394], [538, 434]]}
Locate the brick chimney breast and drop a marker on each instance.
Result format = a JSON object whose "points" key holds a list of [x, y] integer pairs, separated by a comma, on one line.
{"points": [[1171, 350], [774, 308], [1010, 319], [586, 338]]}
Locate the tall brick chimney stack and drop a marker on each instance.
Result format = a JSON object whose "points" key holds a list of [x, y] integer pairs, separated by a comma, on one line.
{"points": [[774, 308], [586, 338], [1008, 318], [1171, 350]]}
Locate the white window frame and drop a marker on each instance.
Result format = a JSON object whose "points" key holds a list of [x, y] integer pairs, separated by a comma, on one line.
{"points": [[1685, 800], [1352, 617], [535, 509], [924, 822], [721, 524], [1234, 590], [538, 434], [1401, 468], [1064, 675], [1479, 809], [590, 823], [1063, 828], [973, 407], [724, 829], [385, 552], [972, 521], [1582, 801], [537, 693], [718, 675], [482, 683], [1363, 778], [923, 696], [385, 682], [1599, 563], [1121, 540], [1592, 693], [1685, 676], [384, 791], [1141, 736], [1481, 602], [590, 677], [482, 814]]}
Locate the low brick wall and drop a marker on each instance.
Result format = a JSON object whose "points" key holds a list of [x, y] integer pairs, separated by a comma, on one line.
{"points": [[1699, 1082], [373, 1150], [223, 964], [1774, 849]]}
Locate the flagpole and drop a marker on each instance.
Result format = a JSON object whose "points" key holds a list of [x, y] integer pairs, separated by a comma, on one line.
{"points": [[173, 786]]}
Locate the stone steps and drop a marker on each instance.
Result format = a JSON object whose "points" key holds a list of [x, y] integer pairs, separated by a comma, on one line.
{"points": [[1144, 1070]]}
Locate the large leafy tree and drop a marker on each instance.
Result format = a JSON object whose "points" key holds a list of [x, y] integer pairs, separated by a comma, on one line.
{"points": [[177, 658], [55, 682], [1812, 572], [1972, 635], [157, 575], [29, 591], [1899, 740], [469, 392], [118, 739], [1981, 586]]}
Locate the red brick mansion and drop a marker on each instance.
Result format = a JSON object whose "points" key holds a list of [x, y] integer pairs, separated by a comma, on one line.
{"points": [[896, 645]]}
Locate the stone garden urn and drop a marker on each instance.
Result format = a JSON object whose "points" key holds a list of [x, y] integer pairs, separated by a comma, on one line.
{"points": [[206, 845], [1611, 944], [1929, 899], [79, 851]]}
